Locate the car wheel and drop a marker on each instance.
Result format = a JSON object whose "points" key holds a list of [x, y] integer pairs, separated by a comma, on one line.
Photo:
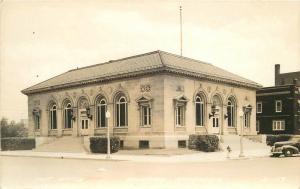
{"points": [[288, 153]]}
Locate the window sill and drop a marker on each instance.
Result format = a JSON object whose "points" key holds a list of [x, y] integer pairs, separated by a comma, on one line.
{"points": [[67, 129], [145, 126], [199, 126]]}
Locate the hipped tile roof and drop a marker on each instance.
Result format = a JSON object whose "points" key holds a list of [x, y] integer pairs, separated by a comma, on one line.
{"points": [[157, 61]]}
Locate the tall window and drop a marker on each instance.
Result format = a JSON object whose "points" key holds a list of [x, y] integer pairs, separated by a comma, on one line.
{"points": [[53, 122], [278, 125], [145, 111], [146, 115], [180, 106], [121, 112], [68, 116], [37, 122], [199, 111], [179, 113], [36, 119], [259, 107], [247, 119], [101, 110], [278, 105], [231, 112]]}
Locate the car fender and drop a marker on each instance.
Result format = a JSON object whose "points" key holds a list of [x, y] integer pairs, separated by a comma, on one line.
{"points": [[296, 151]]}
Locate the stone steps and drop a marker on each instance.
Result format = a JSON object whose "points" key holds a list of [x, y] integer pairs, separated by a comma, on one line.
{"points": [[234, 142], [67, 144]]}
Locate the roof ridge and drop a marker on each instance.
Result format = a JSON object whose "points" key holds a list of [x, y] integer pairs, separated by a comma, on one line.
{"points": [[184, 57], [112, 61]]}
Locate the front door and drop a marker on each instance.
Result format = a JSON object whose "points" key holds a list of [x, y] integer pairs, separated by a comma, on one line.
{"points": [[216, 124], [84, 127], [83, 123]]}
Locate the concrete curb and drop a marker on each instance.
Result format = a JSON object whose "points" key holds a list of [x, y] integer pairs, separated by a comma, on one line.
{"points": [[132, 158]]}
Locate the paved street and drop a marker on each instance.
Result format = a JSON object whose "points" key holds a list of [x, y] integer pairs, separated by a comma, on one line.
{"points": [[27, 172]]}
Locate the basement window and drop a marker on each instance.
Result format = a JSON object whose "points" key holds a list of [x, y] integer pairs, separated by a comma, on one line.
{"points": [[143, 144]]}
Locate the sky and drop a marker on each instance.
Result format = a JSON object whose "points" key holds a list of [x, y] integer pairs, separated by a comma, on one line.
{"points": [[41, 39]]}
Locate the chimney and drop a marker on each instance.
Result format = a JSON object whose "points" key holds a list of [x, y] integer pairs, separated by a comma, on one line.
{"points": [[277, 72]]}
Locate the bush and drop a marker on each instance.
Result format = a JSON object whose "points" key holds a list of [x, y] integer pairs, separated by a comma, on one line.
{"points": [[206, 143], [17, 144], [271, 139], [99, 144]]}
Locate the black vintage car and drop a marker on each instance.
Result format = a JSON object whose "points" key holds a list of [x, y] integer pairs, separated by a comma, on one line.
{"points": [[287, 148]]}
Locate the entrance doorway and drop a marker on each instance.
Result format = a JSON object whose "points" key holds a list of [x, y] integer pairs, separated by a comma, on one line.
{"points": [[83, 123], [215, 125]]}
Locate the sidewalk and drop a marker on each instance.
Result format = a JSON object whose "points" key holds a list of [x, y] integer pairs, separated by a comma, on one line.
{"points": [[159, 156]]}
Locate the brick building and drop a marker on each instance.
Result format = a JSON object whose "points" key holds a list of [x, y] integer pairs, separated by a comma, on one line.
{"points": [[278, 107]]}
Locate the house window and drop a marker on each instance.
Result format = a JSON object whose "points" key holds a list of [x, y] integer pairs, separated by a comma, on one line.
{"points": [[36, 119], [247, 120], [143, 144], [179, 105], [259, 107], [179, 113], [278, 105], [121, 112], [199, 111], [145, 107], [37, 122], [146, 115], [68, 116], [278, 125], [101, 110], [53, 122], [231, 107], [181, 143]]}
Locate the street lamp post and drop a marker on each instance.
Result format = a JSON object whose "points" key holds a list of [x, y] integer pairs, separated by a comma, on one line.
{"points": [[241, 135], [107, 115]]}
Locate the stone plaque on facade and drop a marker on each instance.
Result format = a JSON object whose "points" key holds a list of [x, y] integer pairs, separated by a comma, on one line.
{"points": [[180, 88], [145, 88]]}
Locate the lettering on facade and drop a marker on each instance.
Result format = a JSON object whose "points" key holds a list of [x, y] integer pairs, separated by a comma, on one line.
{"points": [[224, 91], [145, 88], [82, 91], [91, 92]]}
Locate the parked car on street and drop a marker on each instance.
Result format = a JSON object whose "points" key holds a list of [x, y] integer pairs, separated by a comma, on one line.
{"points": [[286, 148]]}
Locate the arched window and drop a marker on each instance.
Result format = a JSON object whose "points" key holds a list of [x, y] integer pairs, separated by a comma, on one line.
{"points": [[53, 122], [121, 112], [199, 111], [68, 116], [101, 110], [231, 112]]}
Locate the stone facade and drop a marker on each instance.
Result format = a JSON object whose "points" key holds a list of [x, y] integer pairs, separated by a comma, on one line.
{"points": [[162, 89]]}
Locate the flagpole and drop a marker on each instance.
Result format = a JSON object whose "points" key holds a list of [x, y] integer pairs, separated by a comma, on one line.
{"points": [[180, 10]]}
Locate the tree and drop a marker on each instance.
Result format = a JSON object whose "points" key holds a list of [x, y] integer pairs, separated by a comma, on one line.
{"points": [[13, 129]]}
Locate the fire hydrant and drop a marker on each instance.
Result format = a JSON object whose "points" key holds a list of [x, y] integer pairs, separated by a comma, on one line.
{"points": [[228, 151]]}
